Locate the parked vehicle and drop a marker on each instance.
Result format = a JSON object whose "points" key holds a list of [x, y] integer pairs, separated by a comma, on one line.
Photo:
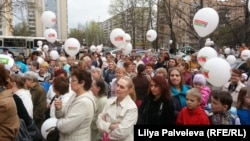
{"points": [[241, 65], [186, 49], [138, 52]]}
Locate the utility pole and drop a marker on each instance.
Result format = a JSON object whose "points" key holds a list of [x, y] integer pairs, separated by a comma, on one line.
{"points": [[201, 3], [200, 38]]}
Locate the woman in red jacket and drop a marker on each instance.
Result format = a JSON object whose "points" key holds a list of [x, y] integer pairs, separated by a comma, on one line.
{"points": [[193, 114]]}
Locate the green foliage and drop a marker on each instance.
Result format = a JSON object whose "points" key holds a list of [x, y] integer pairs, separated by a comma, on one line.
{"points": [[77, 33], [91, 32], [21, 29]]}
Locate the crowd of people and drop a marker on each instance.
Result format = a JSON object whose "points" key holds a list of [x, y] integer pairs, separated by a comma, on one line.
{"points": [[99, 95]]}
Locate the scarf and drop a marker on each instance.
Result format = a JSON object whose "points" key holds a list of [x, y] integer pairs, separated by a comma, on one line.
{"points": [[181, 95]]}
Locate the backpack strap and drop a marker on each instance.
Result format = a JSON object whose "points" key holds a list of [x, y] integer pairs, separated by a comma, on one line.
{"points": [[52, 100]]}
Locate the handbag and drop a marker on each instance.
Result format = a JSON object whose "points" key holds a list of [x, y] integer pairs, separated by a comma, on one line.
{"points": [[53, 134], [34, 131], [105, 136], [23, 134]]}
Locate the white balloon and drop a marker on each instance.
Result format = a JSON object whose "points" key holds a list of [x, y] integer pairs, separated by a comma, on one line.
{"points": [[40, 60], [72, 46], [38, 49], [207, 43], [231, 59], [117, 37], [245, 54], [47, 124], [126, 49], [248, 6], [39, 43], [170, 41], [7, 61], [46, 48], [48, 18], [99, 48], [227, 50], [217, 71], [205, 21], [127, 38], [54, 55], [205, 54], [151, 35], [50, 35], [93, 48]]}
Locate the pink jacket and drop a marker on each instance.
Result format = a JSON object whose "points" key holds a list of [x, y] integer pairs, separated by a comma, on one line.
{"points": [[205, 93]]}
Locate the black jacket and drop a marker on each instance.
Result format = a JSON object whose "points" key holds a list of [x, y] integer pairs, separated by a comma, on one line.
{"points": [[160, 112]]}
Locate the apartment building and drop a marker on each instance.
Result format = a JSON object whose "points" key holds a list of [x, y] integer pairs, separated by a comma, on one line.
{"points": [[136, 26], [35, 10]]}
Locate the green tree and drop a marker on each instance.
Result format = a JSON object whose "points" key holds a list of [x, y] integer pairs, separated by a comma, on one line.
{"points": [[135, 17], [77, 33], [93, 33], [21, 29]]}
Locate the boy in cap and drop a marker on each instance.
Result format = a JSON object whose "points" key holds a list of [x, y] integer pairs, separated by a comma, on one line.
{"points": [[199, 81]]}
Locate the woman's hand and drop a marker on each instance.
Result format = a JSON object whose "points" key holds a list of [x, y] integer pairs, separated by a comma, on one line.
{"points": [[113, 126], [104, 117], [58, 103]]}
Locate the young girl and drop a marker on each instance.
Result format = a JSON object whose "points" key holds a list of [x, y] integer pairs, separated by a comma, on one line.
{"points": [[199, 81], [243, 106]]}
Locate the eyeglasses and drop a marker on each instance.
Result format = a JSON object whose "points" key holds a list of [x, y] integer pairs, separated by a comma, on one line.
{"points": [[235, 75], [73, 80]]}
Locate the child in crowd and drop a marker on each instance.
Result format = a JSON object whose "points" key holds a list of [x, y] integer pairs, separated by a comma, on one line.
{"points": [[199, 81], [243, 106], [193, 114], [221, 102]]}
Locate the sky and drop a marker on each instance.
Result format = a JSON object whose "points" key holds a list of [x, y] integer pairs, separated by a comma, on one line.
{"points": [[82, 11]]}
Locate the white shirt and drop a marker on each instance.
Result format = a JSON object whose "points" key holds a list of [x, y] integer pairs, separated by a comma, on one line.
{"points": [[64, 98], [27, 101]]}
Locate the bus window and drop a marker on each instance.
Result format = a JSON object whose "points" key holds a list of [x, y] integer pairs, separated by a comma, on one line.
{"points": [[14, 42], [1, 43], [29, 48]]}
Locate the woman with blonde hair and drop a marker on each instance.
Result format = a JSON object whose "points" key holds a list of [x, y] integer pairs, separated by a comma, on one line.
{"points": [[120, 114], [119, 72], [178, 88], [43, 74]]}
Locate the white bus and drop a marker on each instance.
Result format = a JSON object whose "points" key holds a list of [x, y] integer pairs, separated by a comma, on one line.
{"points": [[20, 44]]}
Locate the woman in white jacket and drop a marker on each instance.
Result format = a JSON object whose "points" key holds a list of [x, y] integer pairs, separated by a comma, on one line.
{"points": [[120, 113], [74, 118]]}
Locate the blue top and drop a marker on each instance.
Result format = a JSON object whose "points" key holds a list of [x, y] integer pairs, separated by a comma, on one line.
{"points": [[244, 115], [180, 95], [23, 67]]}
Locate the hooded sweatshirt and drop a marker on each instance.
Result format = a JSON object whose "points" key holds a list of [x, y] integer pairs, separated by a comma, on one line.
{"points": [[192, 117], [205, 93]]}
